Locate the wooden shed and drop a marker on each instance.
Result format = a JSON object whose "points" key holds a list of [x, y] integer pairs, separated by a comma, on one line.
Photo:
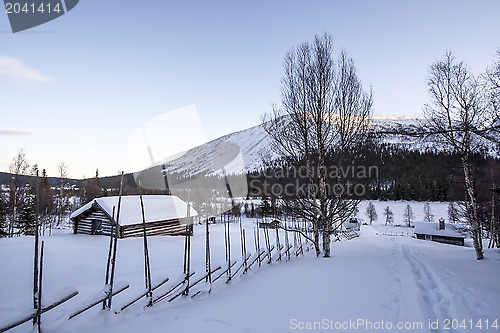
{"points": [[269, 224], [164, 214], [437, 232]]}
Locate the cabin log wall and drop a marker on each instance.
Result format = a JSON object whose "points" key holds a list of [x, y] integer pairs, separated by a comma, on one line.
{"points": [[83, 223]]}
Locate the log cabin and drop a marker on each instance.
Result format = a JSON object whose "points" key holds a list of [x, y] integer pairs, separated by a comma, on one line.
{"points": [[164, 215], [438, 232]]}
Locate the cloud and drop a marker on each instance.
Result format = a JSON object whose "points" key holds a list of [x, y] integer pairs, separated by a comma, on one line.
{"points": [[13, 132], [15, 69]]}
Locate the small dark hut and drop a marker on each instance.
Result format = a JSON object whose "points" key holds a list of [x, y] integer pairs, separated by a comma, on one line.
{"points": [[164, 215], [269, 224]]}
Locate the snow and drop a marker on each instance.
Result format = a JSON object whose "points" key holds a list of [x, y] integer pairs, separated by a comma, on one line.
{"points": [[99, 297], [156, 208], [236, 153], [368, 280], [48, 303]]}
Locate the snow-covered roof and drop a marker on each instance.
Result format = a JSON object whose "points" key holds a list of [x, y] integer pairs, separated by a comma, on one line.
{"points": [[432, 228], [156, 208]]}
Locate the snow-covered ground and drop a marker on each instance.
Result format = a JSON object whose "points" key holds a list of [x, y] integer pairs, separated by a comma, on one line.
{"points": [[372, 283]]}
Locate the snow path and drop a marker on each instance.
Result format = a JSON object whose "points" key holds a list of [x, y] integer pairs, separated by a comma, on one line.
{"points": [[442, 294], [425, 286], [433, 303]]}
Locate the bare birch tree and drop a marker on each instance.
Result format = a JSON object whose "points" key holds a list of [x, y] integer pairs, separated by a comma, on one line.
{"points": [[19, 169], [389, 216], [62, 199], [460, 113], [3, 216], [324, 111], [493, 79], [371, 212]]}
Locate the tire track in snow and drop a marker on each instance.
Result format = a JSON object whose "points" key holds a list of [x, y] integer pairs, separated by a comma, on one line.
{"points": [[393, 306], [420, 288], [443, 295], [464, 302], [402, 305], [434, 303]]}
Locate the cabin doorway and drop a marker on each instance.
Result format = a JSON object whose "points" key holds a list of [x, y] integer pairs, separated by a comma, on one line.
{"points": [[96, 227]]}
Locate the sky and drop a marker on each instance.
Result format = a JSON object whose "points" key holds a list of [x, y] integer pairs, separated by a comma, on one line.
{"points": [[76, 89]]}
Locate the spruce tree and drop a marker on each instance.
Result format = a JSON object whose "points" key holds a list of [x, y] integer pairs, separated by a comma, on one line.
{"points": [[408, 215], [46, 199], [246, 210], [453, 212], [93, 188], [265, 206], [26, 219]]}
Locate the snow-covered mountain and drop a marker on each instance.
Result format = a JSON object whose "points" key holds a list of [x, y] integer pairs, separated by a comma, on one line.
{"points": [[387, 125], [247, 149], [231, 154]]}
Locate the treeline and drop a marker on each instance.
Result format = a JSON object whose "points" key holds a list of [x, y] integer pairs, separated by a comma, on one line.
{"points": [[426, 176], [29, 196], [28, 193], [389, 172]]}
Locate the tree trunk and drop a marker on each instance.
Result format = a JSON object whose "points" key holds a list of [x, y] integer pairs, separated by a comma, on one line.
{"points": [[472, 208], [312, 196], [316, 237], [326, 241], [493, 225]]}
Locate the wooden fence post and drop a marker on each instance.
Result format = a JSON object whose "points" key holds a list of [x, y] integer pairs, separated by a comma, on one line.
{"points": [[147, 268], [113, 260], [36, 302]]}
